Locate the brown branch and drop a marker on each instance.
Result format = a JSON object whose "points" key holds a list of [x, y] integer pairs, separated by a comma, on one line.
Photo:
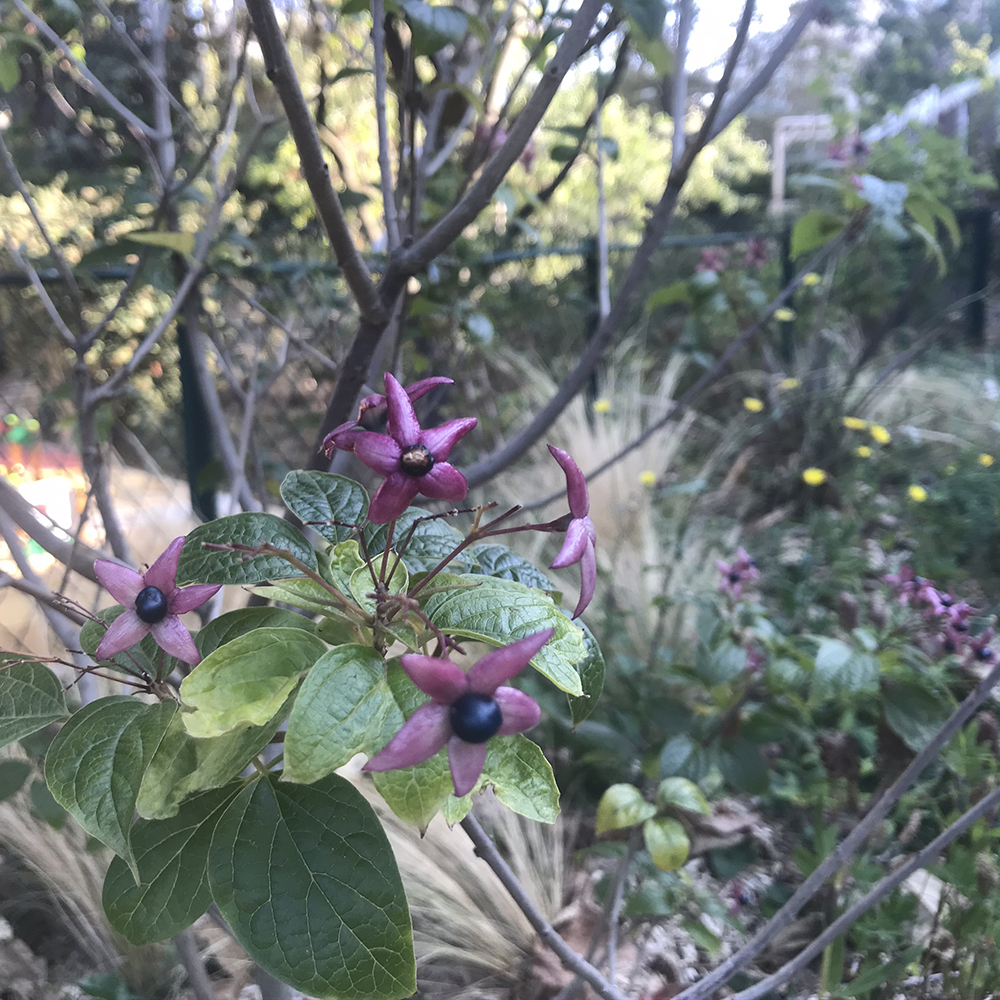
{"points": [[656, 228], [768, 987], [385, 169], [53, 539], [486, 849], [846, 849], [763, 77], [281, 73], [448, 228]]}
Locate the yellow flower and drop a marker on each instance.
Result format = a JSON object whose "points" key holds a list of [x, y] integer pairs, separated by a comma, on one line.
{"points": [[811, 279], [647, 478], [602, 405], [33, 425], [784, 314], [986, 460], [917, 493], [752, 404], [789, 383], [880, 434], [814, 477], [863, 451], [855, 424]]}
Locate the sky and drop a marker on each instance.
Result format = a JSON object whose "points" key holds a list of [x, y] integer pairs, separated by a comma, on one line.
{"points": [[714, 28]]}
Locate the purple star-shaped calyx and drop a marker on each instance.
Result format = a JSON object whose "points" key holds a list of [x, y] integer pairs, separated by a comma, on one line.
{"points": [[152, 602], [371, 410], [412, 459], [465, 711]]}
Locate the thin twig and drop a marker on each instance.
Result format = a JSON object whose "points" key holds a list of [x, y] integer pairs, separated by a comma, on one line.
{"points": [[444, 232], [740, 101], [655, 229], [707, 377], [281, 73], [486, 849], [767, 987], [384, 166], [65, 272], [98, 87], [36, 283], [846, 849]]}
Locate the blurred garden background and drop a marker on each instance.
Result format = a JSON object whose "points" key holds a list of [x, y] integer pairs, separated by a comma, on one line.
{"points": [[807, 369]]}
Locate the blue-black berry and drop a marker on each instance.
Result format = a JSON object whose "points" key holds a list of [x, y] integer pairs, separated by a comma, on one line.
{"points": [[985, 654], [151, 605], [735, 577], [475, 717]]}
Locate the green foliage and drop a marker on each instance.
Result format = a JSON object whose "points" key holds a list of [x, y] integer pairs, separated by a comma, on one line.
{"points": [[330, 917], [205, 565], [330, 504], [499, 611], [171, 858], [95, 765], [246, 681], [31, 698]]}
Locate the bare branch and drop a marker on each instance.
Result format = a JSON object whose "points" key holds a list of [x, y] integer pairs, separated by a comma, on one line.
{"points": [[707, 377], [95, 85], [656, 228], [36, 283], [685, 19], [50, 536], [846, 849], [40, 592], [384, 166], [282, 75], [768, 987], [144, 64], [447, 229], [486, 849], [740, 101], [65, 272]]}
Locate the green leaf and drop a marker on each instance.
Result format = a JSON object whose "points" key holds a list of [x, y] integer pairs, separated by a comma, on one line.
{"points": [[45, 806], [306, 879], [649, 16], [501, 611], [171, 857], [521, 777], [361, 585], [721, 665], [591, 670], [669, 295], [233, 624], [199, 565], [183, 765], [13, 775], [433, 27], [814, 229], [504, 564], [182, 243], [319, 496], [31, 697], [743, 767], [340, 562], [703, 937], [563, 152], [682, 756], [245, 682], [914, 714], [348, 71], [432, 541], [666, 842], [654, 50], [10, 70], [622, 806], [344, 707], [683, 794], [95, 765], [840, 667]]}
